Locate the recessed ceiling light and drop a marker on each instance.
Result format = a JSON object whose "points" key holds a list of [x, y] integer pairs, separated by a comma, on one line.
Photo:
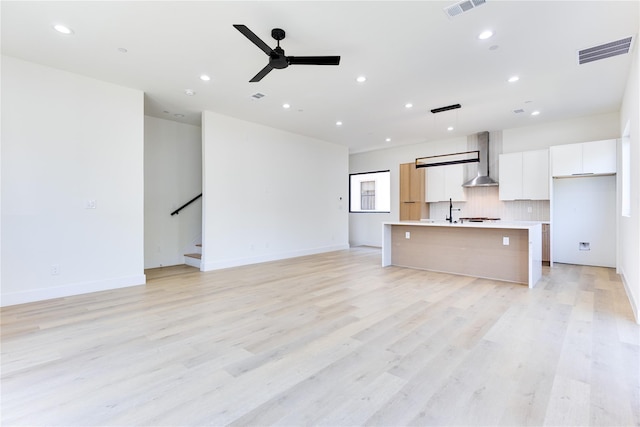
{"points": [[408, 105], [361, 79], [205, 78], [338, 123], [189, 92], [450, 128], [388, 139], [63, 29], [513, 79], [285, 106], [535, 113], [485, 34]]}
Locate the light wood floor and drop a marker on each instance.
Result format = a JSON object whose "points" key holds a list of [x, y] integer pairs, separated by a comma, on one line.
{"points": [[331, 339]]}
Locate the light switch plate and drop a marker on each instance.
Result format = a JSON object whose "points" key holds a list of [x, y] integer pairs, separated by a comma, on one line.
{"points": [[407, 235], [505, 241]]}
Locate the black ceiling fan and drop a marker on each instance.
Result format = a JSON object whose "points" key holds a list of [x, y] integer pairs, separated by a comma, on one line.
{"points": [[277, 58]]}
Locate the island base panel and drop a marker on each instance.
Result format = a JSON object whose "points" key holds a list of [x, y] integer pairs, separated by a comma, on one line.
{"points": [[478, 252]]}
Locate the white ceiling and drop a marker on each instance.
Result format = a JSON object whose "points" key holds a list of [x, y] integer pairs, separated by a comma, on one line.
{"points": [[409, 51]]}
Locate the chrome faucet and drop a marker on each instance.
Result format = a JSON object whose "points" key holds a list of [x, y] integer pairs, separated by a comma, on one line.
{"points": [[450, 217]]}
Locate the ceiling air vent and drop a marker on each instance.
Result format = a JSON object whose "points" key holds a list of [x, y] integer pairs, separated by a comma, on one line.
{"points": [[462, 6], [257, 95], [607, 50]]}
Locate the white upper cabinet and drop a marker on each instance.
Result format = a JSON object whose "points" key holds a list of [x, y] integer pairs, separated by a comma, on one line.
{"points": [[599, 157], [535, 174], [566, 160], [510, 166], [587, 158], [524, 176], [444, 183]]}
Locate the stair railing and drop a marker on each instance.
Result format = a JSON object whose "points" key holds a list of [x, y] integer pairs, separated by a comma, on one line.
{"points": [[177, 211]]}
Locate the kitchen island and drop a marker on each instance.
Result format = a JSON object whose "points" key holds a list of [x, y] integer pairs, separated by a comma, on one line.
{"points": [[502, 250]]}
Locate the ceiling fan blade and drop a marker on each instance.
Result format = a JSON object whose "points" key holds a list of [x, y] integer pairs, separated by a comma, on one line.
{"points": [[313, 60], [254, 39], [261, 74]]}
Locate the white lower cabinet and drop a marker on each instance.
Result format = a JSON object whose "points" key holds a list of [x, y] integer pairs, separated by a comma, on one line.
{"points": [[524, 175], [444, 183]]}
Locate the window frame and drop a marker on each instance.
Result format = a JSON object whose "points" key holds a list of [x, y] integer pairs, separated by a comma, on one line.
{"points": [[388, 172]]}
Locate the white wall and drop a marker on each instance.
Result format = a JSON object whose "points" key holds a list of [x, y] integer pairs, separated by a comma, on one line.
{"points": [[629, 234], [579, 129], [67, 139], [172, 177], [269, 194]]}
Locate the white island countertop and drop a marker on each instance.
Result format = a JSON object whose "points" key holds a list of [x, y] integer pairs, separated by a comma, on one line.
{"points": [[517, 225]]}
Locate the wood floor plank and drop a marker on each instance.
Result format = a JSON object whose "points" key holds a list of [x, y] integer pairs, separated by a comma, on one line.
{"points": [[329, 339]]}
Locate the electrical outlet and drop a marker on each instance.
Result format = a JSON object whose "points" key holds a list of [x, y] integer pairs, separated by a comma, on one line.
{"points": [[407, 235], [529, 209], [55, 269], [505, 241]]}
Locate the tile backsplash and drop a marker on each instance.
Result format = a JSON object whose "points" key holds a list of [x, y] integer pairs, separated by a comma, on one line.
{"points": [[484, 202]]}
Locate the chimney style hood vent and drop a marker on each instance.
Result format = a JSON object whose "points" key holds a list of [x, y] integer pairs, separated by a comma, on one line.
{"points": [[483, 179]]}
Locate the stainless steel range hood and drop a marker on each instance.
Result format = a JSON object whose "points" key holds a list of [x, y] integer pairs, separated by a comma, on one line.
{"points": [[483, 179]]}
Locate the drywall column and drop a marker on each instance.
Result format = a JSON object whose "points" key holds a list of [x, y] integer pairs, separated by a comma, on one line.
{"points": [[269, 194], [72, 184]]}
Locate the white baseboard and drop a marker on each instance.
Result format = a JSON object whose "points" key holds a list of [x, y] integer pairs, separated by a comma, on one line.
{"points": [[71, 289], [627, 289], [228, 263]]}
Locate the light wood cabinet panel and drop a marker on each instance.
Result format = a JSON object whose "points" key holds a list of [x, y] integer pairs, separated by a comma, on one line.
{"points": [[546, 243], [412, 189]]}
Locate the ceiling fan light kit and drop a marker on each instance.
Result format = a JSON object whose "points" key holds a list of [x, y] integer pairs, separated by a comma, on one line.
{"points": [[277, 57]]}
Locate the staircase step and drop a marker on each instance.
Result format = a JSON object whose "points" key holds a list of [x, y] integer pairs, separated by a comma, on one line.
{"points": [[197, 256]]}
